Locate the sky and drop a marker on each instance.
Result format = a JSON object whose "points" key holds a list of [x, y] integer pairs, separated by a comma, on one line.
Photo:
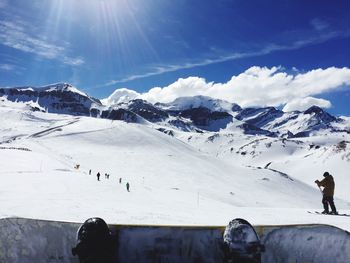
{"points": [[284, 53]]}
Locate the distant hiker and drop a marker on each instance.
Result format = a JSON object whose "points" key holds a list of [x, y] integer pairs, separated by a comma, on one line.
{"points": [[328, 193], [90, 172], [120, 180], [98, 176], [106, 175], [127, 186]]}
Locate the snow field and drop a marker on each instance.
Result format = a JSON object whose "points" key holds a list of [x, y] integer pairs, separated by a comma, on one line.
{"points": [[171, 181]]}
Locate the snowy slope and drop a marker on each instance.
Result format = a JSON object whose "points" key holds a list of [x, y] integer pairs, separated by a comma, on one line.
{"points": [[172, 181], [304, 159]]}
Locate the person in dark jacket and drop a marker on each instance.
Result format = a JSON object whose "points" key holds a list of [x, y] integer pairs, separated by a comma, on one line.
{"points": [[98, 176], [328, 192], [128, 186]]}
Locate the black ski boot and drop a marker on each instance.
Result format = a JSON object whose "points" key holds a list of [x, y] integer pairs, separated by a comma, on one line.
{"points": [[333, 213]]}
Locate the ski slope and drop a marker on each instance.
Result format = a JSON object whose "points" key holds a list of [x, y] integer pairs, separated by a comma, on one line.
{"points": [[171, 181], [304, 159]]}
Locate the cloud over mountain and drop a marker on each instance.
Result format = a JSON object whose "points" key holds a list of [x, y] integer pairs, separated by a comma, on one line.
{"points": [[304, 103], [261, 86]]}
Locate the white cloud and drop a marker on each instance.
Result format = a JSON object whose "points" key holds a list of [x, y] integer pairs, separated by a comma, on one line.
{"points": [[17, 35], [73, 61], [259, 86], [302, 104], [7, 67], [120, 96], [181, 88], [319, 24]]}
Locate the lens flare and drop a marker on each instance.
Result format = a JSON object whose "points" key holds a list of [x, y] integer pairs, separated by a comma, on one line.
{"points": [[113, 27]]}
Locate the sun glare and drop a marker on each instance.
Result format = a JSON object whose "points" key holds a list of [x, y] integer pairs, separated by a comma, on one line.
{"points": [[114, 26]]}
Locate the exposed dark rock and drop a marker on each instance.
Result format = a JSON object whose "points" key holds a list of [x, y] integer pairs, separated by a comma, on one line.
{"points": [[205, 119], [166, 131], [147, 110], [181, 124], [320, 115], [259, 116], [253, 130], [120, 114]]}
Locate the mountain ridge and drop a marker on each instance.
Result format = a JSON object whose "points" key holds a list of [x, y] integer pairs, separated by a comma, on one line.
{"points": [[197, 113]]}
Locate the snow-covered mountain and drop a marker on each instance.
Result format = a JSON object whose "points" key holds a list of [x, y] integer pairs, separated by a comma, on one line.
{"points": [[297, 124], [198, 113], [202, 113], [187, 103], [55, 98]]}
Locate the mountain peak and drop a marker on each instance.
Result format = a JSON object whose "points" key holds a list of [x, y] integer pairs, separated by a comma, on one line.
{"points": [[314, 109], [61, 87], [55, 87], [319, 116]]}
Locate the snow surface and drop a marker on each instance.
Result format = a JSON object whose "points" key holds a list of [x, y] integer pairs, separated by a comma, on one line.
{"points": [[186, 179]]}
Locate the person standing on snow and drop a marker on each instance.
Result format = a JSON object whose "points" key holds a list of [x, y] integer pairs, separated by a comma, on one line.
{"points": [[328, 193], [127, 186], [98, 176]]}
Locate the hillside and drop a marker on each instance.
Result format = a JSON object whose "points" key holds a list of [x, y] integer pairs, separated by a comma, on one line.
{"points": [[172, 182]]}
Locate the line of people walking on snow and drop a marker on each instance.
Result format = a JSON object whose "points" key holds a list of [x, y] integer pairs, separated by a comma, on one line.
{"points": [[327, 192], [98, 175]]}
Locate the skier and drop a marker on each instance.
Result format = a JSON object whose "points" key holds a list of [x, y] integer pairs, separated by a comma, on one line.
{"points": [[328, 193], [120, 180], [95, 242], [90, 172], [98, 176], [127, 186]]}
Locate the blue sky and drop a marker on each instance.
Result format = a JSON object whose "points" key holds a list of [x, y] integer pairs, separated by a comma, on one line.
{"points": [[101, 45]]}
